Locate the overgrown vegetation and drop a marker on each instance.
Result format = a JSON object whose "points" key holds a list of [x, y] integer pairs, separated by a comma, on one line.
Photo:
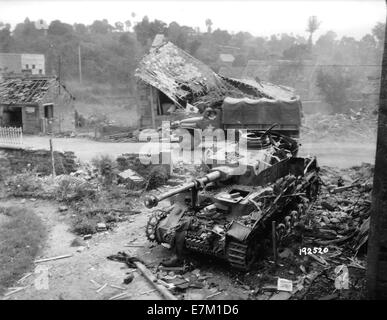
{"points": [[106, 168], [71, 189], [157, 177], [22, 234], [25, 184], [334, 85]]}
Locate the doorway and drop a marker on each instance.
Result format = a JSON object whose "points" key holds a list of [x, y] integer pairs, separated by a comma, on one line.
{"points": [[12, 117]]}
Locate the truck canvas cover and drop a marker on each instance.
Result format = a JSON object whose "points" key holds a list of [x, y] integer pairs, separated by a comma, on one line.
{"points": [[263, 111]]}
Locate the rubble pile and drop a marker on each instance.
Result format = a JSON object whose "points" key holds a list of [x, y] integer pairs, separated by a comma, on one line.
{"points": [[328, 262], [18, 160], [351, 127], [343, 205]]}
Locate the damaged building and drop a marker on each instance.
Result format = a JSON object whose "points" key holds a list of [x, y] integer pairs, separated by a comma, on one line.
{"points": [[37, 104], [170, 81]]}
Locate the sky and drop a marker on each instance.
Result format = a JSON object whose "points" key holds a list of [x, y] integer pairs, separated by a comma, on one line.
{"points": [[259, 17]]}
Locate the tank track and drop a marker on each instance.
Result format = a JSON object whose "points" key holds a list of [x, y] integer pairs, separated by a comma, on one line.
{"points": [[153, 222], [239, 255]]}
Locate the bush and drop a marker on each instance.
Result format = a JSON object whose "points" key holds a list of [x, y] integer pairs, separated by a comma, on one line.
{"points": [[72, 189], [106, 167], [333, 85], [158, 176], [25, 184], [85, 225]]}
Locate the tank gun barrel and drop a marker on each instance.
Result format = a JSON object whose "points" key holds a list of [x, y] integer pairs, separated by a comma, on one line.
{"points": [[152, 201]]}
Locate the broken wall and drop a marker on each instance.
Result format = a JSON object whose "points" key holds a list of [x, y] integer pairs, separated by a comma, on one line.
{"points": [[64, 109]]}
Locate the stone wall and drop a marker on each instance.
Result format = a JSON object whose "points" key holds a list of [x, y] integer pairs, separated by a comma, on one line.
{"points": [[14, 160]]}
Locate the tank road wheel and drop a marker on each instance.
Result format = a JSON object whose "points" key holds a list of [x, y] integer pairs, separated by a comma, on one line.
{"points": [[152, 225], [240, 255]]}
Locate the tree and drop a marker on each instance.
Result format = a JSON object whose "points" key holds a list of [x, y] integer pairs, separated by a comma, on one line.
{"points": [[128, 24], [194, 46], [296, 52], [119, 26], [333, 85], [209, 25], [376, 255], [177, 35], [378, 32], [221, 37], [325, 46], [5, 37], [368, 50], [146, 30], [313, 25], [26, 29], [59, 28], [80, 28], [102, 27]]}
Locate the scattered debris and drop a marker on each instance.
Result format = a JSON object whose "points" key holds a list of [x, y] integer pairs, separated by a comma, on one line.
{"points": [[63, 208], [213, 295], [87, 237], [117, 287], [24, 277], [342, 279], [283, 295], [53, 258], [16, 290], [120, 295], [101, 288], [101, 227], [130, 175], [129, 278], [284, 285], [95, 283], [135, 262]]}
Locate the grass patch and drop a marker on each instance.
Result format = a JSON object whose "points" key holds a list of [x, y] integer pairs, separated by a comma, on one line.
{"points": [[22, 235]]}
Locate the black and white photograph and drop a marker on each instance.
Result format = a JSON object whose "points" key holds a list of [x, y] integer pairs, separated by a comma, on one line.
{"points": [[206, 152]]}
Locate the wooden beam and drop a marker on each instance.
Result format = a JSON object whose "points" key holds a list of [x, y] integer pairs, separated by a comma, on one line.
{"points": [[153, 107]]}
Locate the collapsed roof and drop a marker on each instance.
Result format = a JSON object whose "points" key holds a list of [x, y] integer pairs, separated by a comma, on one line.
{"points": [[184, 78], [25, 90]]}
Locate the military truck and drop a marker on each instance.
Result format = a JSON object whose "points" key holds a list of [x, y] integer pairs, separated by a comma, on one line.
{"points": [[248, 114]]}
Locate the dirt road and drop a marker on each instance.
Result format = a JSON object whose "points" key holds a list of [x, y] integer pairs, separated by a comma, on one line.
{"points": [[70, 278], [339, 154], [75, 277]]}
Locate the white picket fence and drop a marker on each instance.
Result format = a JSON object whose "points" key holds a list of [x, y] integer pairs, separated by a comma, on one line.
{"points": [[10, 136]]}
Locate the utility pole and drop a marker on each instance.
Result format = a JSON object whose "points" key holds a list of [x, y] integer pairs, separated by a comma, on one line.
{"points": [[80, 64], [377, 242], [59, 69]]}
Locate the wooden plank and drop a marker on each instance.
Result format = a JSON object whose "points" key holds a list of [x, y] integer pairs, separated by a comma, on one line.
{"points": [[53, 258], [153, 280]]}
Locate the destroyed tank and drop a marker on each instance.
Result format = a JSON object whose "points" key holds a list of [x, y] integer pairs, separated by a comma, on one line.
{"points": [[228, 212]]}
